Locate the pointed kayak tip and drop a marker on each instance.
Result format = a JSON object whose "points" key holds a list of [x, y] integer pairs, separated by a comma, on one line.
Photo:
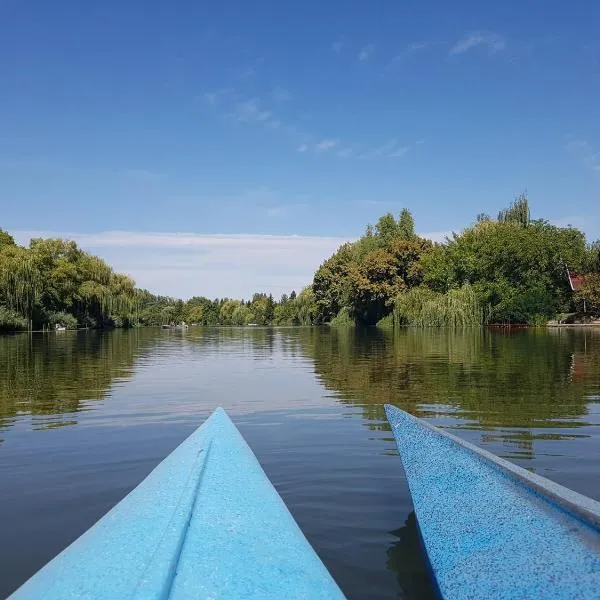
{"points": [[395, 415]]}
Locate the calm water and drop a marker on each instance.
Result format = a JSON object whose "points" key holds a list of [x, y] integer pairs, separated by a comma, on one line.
{"points": [[85, 416]]}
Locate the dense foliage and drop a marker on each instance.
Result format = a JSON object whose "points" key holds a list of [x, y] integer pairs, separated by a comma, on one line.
{"points": [[53, 282], [512, 269], [509, 270]]}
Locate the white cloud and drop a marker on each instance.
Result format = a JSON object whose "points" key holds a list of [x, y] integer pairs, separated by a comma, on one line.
{"points": [[248, 72], [250, 110], [492, 41], [346, 152], [366, 52], [302, 148], [389, 150], [399, 152], [380, 151], [325, 145], [280, 94], [213, 98], [410, 50], [187, 264], [585, 152], [337, 46]]}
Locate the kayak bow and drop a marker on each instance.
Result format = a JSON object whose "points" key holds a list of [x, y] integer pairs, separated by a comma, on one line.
{"points": [[494, 530], [206, 523]]}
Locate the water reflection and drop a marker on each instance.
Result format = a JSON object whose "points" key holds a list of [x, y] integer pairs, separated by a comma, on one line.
{"points": [[407, 559], [54, 376], [309, 401], [515, 386], [473, 379]]}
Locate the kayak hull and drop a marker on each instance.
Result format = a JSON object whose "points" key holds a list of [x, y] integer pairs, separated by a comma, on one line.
{"points": [[491, 529], [206, 523]]}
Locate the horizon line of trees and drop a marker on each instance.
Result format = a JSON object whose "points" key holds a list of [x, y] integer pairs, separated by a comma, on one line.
{"points": [[54, 282], [511, 269]]}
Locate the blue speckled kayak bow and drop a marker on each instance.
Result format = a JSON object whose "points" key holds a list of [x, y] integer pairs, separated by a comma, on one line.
{"points": [[492, 530]]}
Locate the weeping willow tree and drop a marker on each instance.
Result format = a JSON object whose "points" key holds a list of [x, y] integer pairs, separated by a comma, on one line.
{"points": [[20, 281], [423, 307], [55, 282]]}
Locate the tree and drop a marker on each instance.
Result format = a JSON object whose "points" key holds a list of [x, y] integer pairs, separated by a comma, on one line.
{"points": [[386, 228], [590, 292], [227, 310], [6, 239], [517, 212], [406, 225], [516, 271], [374, 285], [592, 259]]}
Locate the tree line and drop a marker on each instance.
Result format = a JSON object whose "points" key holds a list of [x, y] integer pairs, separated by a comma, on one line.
{"points": [[511, 269], [54, 282]]}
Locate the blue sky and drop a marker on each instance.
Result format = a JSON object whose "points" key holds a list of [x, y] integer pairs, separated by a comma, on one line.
{"points": [[209, 133]]}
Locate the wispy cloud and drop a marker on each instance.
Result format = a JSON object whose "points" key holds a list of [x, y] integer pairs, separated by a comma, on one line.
{"points": [[400, 152], [326, 144], [585, 152], [250, 110], [410, 50], [280, 94], [347, 152], [389, 150], [247, 72], [488, 39], [188, 264], [366, 52], [213, 98], [379, 151], [337, 46], [302, 148]]}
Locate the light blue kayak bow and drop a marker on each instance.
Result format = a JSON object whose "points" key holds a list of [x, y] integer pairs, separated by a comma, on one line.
{"points": [[205, 524], [492, 530]]}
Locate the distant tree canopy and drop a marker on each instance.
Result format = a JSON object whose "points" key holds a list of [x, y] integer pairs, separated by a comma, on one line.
{"points": [[364, 277], [53, 282], [512, 269]]}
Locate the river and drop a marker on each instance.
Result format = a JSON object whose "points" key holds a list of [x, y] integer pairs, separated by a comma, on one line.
{"points": [[84, 416]]}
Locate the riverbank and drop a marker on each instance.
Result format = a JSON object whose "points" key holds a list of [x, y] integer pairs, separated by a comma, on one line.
{"points": [[576, 319]]}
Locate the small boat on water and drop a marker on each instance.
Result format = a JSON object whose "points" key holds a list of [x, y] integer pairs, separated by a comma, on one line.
{"points": [[494, 530], [206, 523]]}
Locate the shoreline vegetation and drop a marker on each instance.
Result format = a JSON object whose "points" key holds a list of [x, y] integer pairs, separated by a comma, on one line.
{"points": [[511, 270]]}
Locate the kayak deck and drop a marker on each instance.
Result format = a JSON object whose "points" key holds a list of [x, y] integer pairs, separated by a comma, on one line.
{"points": [[491, 529], [206, 523]]}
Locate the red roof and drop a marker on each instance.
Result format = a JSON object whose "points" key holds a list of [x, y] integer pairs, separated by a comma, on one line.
{"points": [[576, 280]]}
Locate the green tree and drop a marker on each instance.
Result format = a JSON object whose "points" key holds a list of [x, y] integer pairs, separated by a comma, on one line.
{"points": [[517, 212], [227, 310], [386, 229], [590, 293], [516, 271], [6, 239], [406, 225]]}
